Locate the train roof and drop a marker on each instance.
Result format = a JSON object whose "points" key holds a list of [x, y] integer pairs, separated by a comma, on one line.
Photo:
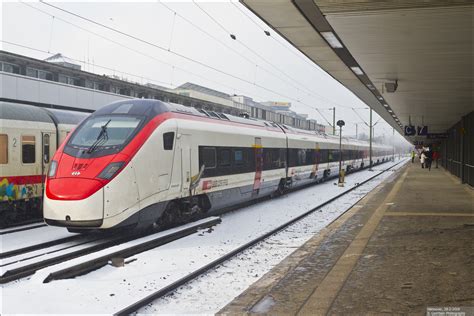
{"points": [[23, 112], [151, 108], [66, 116]]}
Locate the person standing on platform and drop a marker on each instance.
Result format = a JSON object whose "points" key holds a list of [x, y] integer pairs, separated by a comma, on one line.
{"points": [[436, 157], [413, 156], [422, 159], [429, 159]]}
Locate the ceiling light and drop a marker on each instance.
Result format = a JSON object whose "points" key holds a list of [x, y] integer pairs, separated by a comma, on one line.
{"points": [[380, 98], [357, 71], [332, 39], [385, 105], [371, 87], [390, 111]]}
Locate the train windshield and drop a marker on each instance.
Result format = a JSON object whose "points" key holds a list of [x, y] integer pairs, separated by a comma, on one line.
{"points": [[105, 131]]}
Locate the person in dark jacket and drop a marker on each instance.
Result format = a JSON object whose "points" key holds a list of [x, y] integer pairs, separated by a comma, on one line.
{"points": [[429, 158]]}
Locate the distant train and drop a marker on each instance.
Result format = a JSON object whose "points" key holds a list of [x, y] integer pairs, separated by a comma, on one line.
{"points": [[29, 136], [145, 162]]}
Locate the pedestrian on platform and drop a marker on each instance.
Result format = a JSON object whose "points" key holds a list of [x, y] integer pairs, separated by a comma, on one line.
{"points": [[429, 159], [436, 157], [422, 159], [413, 156]]}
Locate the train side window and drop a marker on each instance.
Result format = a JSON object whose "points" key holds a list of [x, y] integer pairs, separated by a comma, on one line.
{"points": [[28, 149], [208, 157], [239, 158], [168, 139], [3, 149], [224, 158], [46, 148]]}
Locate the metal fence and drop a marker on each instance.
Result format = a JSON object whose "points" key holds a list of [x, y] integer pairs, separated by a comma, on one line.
{"points": [[458, 150]]}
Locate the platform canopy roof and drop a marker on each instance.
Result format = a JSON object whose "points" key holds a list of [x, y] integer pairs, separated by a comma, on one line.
{"points": [[421, 49]]}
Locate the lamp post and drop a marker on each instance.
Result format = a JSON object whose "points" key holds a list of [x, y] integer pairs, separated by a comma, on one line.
{"points": [[340, 123]]}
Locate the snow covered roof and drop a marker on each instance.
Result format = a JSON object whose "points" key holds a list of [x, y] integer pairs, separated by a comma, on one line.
{"points": [[62, 60]]}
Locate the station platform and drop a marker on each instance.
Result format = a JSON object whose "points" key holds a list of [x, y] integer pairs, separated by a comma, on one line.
{"points": [[406, 246]]}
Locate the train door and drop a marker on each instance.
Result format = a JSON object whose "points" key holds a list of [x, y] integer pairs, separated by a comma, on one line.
{"points": [[186, 159], [258, 165], [45, 154]]}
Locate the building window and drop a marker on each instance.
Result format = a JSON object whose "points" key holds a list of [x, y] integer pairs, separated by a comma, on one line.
{"points": [[6, 67], [3, 149], [30, 72], [92, 85], [45, 75], [68, 80], [28, 149]]}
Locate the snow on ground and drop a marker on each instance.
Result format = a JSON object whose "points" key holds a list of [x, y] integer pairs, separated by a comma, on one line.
{"points": [[31, 237], [109, 289]]}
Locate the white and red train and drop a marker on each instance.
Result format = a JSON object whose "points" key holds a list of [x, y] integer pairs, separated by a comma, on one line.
{"points": [[29, 136], [141, 162]]}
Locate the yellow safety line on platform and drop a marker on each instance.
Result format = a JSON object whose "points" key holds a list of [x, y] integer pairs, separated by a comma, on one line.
{"points": [[426, 214], [322, 298]]}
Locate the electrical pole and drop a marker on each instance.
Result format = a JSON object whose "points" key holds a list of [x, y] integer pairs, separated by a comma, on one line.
{"points": [[357, 130], [393, 144], [334, 120], [370, 140]]}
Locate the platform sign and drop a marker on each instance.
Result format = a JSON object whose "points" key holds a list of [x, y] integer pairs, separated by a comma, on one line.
{"points": [[437, 135], [410, 130], [422, 130]]}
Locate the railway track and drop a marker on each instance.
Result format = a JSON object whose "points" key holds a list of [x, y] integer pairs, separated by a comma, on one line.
{"points": [[134, 307], [18, 267], [22, 227]]}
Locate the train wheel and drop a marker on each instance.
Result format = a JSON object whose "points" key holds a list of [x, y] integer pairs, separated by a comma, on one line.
{"points": [[169, 217]]}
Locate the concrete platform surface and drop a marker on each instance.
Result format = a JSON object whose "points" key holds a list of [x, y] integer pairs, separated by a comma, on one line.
{"points": [[406, 248]]}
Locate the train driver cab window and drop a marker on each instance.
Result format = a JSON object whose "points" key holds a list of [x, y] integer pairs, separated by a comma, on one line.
{"points": [[28, 149], [208, 155], [3, 149], [168, 139]]}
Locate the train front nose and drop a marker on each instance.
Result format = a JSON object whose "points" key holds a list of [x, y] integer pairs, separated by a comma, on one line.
{"points": [[74, 202]]}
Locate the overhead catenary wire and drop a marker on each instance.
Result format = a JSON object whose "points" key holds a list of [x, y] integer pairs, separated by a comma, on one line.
{"points": [[172, 52], [231, 49], [353, 109], [134, 50], [290, 79], [301, 56]]}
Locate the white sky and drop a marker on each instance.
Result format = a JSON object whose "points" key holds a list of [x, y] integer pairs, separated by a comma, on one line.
{"points": [[278, 67]]}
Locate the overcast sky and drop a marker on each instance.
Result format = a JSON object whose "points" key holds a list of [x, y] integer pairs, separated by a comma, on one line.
{"points": [[262, 67]]}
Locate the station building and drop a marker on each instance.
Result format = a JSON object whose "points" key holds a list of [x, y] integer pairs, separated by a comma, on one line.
{"points": [[59, 82]]}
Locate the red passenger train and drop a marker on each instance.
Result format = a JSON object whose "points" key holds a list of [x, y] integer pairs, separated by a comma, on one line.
{"points": [[145, 162]]}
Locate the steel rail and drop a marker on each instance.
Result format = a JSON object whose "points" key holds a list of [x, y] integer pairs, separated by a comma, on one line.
{"points": [[27, 270], [193, 275], [19, 251], [19, 228], [97, 263]]}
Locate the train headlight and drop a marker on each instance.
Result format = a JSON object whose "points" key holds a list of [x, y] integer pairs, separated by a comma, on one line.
{"points": [[53, 167], [111, 170]]}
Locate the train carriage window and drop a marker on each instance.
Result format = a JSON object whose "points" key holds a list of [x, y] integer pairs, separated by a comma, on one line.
{"points": [[224, 158], [28, 149], [3, 149], [239, 157], [208, 157], [46, 148], [168, 139]]}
